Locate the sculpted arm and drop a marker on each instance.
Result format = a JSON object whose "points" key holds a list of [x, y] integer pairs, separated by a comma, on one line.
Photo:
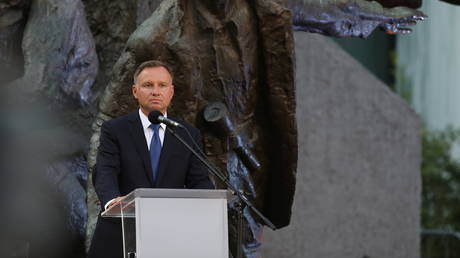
{"points": [[197, 176], [351, 18]]}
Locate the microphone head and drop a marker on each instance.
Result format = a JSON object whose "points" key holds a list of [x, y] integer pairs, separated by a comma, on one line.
{"points": [[153, 116]]}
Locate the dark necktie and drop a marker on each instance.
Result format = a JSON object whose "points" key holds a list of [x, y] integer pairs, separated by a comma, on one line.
{"points": [[155, 150]]}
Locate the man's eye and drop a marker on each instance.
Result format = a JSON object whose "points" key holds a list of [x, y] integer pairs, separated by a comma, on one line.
{"points": [[147, 85]]}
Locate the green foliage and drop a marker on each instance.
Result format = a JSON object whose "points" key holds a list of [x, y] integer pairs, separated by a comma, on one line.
{"points": [[403, 86], [441, 180]]}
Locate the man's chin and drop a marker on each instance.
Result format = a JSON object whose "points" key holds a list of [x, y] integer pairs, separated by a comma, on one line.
{"points": [[155, 108], [147, 110]]}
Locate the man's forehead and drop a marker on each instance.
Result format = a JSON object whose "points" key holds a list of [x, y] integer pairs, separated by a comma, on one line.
{"points": [[157, 73]]}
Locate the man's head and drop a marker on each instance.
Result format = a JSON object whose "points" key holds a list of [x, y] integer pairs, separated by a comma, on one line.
{"points": [[153, 88]]}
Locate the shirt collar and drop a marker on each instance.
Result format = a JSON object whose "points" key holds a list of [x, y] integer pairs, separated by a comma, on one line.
{"points": [[146, 123]]}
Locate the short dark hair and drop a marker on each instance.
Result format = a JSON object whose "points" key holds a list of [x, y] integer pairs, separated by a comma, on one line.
{"points": [[151, 63]]}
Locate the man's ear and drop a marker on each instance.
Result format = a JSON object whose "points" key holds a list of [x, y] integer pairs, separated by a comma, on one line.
{"points": [[134, 90]]}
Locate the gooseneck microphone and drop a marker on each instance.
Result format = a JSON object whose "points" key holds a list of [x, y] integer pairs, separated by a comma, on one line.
{"points": [[156, 117]]}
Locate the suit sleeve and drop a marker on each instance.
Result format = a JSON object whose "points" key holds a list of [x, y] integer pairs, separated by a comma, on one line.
{"points": [[107, 168], [198, 175]]}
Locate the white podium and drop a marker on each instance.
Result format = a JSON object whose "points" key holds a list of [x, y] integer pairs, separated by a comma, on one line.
{"points": [[170, 223]]}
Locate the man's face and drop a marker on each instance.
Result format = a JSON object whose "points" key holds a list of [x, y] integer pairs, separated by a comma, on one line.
{"points": [[153, 89]]}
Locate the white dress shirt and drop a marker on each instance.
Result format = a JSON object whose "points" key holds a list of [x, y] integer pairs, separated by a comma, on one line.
{"points": [[148, 133]]}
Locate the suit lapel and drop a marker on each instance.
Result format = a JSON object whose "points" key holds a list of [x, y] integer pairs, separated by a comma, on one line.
{"points": [[138, 136]]}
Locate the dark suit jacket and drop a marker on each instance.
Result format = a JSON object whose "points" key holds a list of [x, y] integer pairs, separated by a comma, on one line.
{"points": [[123, 164]]}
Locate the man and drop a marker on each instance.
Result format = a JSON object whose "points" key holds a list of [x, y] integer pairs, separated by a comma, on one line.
{"points": [[135, 154]]}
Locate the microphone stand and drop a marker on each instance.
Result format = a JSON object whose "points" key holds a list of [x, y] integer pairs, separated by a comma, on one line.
{"points": [[242, 199]]}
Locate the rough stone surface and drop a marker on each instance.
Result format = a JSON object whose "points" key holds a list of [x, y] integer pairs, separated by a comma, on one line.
{"points": [[111, 23], [11, 59], [62, 69], [69, 178], [43, 179], [12, 23], [59, 68], [358, 180]]}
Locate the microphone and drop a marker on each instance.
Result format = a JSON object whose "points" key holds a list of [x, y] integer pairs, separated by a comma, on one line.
{"points": [[156, 117]]}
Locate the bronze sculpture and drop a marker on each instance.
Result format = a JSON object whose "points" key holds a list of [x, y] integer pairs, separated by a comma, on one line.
{"points": [[241, 56], [235, 59], [249, 71]]}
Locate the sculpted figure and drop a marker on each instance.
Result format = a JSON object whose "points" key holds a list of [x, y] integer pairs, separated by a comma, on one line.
{"points": [[234, 78], [237, 54]]}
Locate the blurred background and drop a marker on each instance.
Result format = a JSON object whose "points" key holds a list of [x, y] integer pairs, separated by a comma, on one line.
{"points": [[423, 68]]}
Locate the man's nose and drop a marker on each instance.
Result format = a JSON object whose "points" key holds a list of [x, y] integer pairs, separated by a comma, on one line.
{"points": [[155, 90]]}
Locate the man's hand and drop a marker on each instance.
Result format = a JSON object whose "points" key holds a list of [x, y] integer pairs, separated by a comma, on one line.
{"points": [[114, 202]]}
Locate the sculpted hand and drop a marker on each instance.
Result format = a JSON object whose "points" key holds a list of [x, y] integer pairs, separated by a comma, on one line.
{"points": [[351, 18]]}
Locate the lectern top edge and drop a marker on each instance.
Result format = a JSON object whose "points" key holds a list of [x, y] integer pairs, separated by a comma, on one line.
{"points": [[128, 206], [177, 193]]}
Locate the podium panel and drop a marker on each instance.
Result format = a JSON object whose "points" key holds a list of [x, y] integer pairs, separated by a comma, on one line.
{"points": [[170, 223]]}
